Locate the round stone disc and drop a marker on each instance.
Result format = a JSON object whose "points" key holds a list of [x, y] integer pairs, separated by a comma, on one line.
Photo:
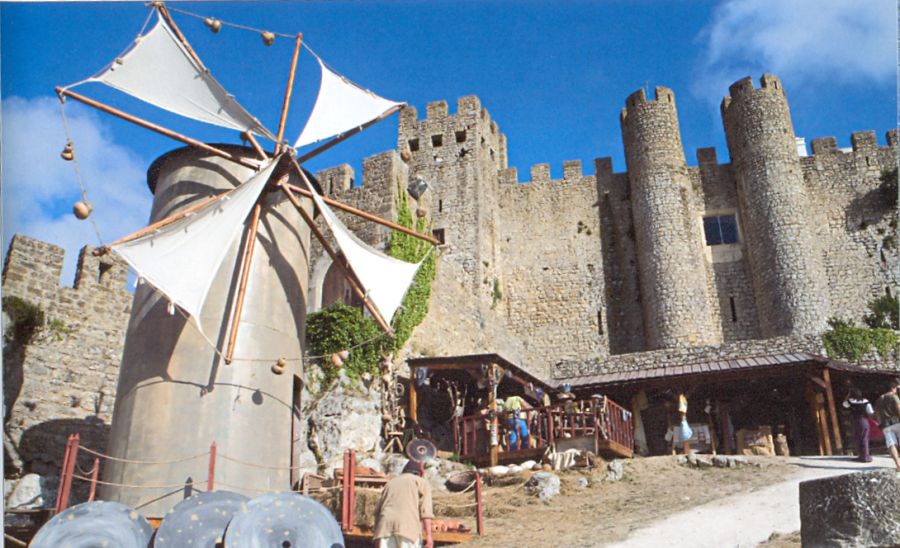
{"points": [[283, 520], [199, 521], [94, 525]]}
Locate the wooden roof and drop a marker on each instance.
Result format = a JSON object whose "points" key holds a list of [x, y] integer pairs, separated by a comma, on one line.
{"points": [[473, 361]]}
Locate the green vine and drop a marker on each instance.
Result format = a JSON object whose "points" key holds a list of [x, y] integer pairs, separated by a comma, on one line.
{"points": [[342, 327], [885, 313], [850, 342], [26, 320]]}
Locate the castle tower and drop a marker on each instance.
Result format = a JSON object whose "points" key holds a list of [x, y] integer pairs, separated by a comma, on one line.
{"points": [[176, 395], [675, 302], [459, 156], [788, 280]]}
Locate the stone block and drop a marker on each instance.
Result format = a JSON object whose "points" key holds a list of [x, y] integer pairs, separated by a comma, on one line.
{"points": [[859, 509]]}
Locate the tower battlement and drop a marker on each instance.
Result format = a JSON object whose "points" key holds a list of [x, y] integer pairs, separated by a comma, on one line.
{"points": [[662, 96], [768, 83]]}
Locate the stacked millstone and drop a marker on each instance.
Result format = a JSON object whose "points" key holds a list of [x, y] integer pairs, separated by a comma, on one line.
{"points": [[788, 277], [861, 509]]}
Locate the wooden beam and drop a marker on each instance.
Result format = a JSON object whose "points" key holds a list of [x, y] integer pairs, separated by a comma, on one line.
{"points": [[255, 144], [819, 382], [164, 12], [287, 92], [246, 263], [495, 421], [832, 410], [346, 135], [252, 164], [354, 284], [364, 214]]}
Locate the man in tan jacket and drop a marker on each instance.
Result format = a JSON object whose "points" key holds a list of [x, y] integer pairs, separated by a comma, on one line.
{"points": [[405, 509]]}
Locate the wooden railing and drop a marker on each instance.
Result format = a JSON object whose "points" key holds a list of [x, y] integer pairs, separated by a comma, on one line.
{"points": [[600, 418]]}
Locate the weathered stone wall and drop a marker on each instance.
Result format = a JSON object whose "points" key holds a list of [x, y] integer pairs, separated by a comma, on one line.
{"points": [[670, 263], [785, 259], [65, 380]]}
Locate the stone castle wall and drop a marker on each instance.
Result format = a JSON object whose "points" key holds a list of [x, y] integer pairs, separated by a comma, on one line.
{"points": [[65, 380]]}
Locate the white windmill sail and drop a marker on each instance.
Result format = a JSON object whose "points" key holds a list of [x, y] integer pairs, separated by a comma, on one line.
{"points": [[385, 279], [340, 106], [159, 70], [182, 258]]}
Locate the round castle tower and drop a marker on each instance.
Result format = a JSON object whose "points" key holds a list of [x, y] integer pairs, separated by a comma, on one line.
{"points": [[788, 279], [675, 300]]}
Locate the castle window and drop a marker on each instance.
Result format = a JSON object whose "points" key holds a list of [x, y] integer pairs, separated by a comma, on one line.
{"points": [[437, 140], [104, 271], [733, 309], [600, 322], [438, 234], [461, 136], [440, 206], [413, 145], [720, 229]]}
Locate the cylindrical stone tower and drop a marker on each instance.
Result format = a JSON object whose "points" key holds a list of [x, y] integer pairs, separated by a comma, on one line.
{"points": [[175, 394], [669, 246], [788, 279]]}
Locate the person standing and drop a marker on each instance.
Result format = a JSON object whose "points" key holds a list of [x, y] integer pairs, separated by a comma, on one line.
{"points": [[887, 409], [404, 510], [860, 410]]}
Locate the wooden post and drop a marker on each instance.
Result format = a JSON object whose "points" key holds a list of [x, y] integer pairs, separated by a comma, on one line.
{"points": [[495, 421], [246, 263], [352, 496], [832, 410], [65, 477], [345, 491], [211, 468], [287, 92], [255, 144], [810, 395], [823, 422], [479, 507], [159, 129], [413, 396], [456, 444], [95, 473], [337, 260]]}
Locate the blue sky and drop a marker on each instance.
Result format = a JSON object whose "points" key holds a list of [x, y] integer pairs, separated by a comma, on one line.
{"points": [[553, 75]]}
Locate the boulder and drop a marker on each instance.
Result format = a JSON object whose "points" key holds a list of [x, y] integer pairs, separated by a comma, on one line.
{"points": [[498, 470], [528, 465], [614, 470], [544, 485], [582, 483], [859, 509], [515, 469], [28, 493]]}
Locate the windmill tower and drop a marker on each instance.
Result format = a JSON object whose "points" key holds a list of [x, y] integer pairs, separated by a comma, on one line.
{"points": [[212, 364]]}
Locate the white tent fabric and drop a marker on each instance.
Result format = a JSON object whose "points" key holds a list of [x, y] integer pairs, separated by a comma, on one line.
{"points": [[384, 279], [340, 106], [159, 70], [181, 259]]}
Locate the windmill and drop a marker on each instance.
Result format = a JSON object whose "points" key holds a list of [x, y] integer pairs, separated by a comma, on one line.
{"points": [[211, 372]]}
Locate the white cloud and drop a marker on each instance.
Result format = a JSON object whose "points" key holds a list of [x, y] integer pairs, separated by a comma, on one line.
{"points": [[39, 188], [813, 41]]}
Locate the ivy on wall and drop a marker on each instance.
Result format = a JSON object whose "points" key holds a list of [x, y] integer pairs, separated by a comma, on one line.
{"points": [[847, 341], [26, 320], [341, 327]]}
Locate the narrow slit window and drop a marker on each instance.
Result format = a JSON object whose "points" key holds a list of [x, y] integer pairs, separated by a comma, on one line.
{"points": [[733, 309], [440, 206], [600, 322]]}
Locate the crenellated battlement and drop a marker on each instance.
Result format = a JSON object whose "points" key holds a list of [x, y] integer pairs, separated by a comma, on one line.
{"points": [[540, 175], [663, 97], [768, 83], [861, 142]]}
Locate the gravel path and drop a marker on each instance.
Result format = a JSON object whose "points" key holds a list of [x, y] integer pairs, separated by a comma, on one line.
{"points": [[748, 519]]}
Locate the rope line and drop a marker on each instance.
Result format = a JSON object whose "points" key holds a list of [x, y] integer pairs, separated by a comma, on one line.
{"points": [[133, 461], [254, 465], [138, 486], [228, 23], [78, 178]]}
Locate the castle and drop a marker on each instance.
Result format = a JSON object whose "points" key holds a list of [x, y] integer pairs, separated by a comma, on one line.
{"points": [[663, 264], [567, 275]]}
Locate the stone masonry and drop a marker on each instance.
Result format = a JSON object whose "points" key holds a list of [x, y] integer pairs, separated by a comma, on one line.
{"points": [[65, 380], [594, 266]]}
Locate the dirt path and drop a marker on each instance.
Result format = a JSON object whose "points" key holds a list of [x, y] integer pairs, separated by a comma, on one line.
{"points": [[746, 519], [660, 502]]}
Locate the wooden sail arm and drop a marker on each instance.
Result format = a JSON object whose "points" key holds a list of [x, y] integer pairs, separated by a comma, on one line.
{"points": [[347, 134], [246, 263], [358, 212], [255, 144], [354, 283], [164, 12], [246, 162], [287, 92]]}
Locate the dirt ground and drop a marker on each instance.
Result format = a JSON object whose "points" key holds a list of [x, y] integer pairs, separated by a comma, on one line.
{"points": [[605, 512]]}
